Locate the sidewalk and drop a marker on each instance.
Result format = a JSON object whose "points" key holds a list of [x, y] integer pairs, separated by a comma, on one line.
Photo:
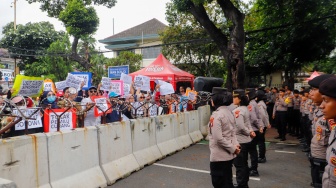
{"points": [[272, 133]]}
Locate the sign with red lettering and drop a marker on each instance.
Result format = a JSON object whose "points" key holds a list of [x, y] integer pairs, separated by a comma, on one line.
{"points": [[101, 106], [67, 120]]}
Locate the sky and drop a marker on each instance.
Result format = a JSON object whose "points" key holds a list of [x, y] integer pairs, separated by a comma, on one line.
{"points": [[126, 14]]}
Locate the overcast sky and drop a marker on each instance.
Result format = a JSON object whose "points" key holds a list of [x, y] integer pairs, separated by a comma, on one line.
{"points": [[126, 14]]}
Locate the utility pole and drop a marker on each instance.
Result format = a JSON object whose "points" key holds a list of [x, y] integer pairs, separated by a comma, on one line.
{"points": [[14, 30]]}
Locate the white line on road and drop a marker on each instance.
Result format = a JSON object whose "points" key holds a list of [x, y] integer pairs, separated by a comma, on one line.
{"points": [[202, 143], [291, 152], [280, 143], [194, 170]]}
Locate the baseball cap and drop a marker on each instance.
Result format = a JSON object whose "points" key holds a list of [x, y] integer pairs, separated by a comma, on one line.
{"points": [[112, 94]]}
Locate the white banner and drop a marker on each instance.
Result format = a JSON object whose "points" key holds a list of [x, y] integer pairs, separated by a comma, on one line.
{"points": [[31, 123], [60, 85], [106, 84], [74, 81], [65, 121], [30, 87], [166, 89], [126, 78]]}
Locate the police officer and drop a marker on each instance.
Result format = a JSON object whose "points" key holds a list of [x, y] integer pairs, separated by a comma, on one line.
{"points": [[328, 90], [280, 115], [265, 120], [258, 128], [296, 113], [289, 100], [222, 139], [244, 133], [321, 133], [307, 122]]}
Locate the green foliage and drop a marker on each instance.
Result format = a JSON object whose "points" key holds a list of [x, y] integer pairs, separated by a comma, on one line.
{"points": [[196, 57], [78, 19], [127, 58], [298, 36], [54, 8], [53, 65], [29, 40], [98, 69]]}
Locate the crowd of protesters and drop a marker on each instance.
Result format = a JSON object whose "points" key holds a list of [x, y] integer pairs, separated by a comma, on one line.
{"points": [[135, 104], [241, 118]]}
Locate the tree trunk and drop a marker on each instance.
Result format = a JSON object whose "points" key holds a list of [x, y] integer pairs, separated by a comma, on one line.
{"points": [[75, 57], [233, 49]]}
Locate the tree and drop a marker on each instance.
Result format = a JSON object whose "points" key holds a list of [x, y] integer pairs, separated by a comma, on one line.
{"points": [[80, 21], [232, 46], [127, 58], [29, 41], [196, 57], [52, 65], [290, 35]]}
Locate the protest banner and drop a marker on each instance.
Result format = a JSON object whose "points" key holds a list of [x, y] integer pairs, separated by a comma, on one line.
{"points": [[36, 122], [103, 105], [67, 120], [166, 89], [87, 77], [60, 85], [114, 72], [49, 85], [74, 81], [126, 78], [142, 83], [192, 95], [127, 89], [28, 86], [117, 87], [106, 84], [7, 74]]}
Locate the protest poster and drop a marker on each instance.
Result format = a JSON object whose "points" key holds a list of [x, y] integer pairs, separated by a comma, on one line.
{"points": [[60, 85], [87, 77], [101, 106], [7, 74], [191, 95], [28, 86], [74, 81], [142, 83], [67, 120], [166, 89], [127, 89], [117, 87], [36, 122], [138, 82], [126, 78], [106, 84], [49, 85], [114, 72]]}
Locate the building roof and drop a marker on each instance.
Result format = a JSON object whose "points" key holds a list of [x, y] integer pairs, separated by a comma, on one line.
{"points": [[152, 26]]}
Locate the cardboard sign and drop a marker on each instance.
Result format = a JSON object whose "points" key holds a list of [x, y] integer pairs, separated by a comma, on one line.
{"points": [[87, 77], [31, 123], [192, 95], [67, 121], [60, 85], [103, 105], [117, 87], [106, 84], [166, 89], [28, 86], [142, 83], [127, 89], [74, 81], [126, 78], [49, 85]]}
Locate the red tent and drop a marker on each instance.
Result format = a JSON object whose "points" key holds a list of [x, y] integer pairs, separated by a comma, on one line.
{"points": [[162, 69]]}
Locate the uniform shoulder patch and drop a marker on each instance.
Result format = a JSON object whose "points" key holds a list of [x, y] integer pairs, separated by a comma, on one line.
{"points": [[333, 160], [332, 123], [237, 112], [249, 108], [211, 121], [319, 129]]}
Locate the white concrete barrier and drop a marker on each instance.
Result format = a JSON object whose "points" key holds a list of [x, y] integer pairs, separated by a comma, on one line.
{"points": [[24, 160], [74, 160], [4, 183], [144, 145], [204, 117], [194, 128], [165, 135], [181, 134], [115, 148]]}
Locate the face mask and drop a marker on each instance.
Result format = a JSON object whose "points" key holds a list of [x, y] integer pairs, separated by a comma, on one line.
{"points": [[51, 98]]}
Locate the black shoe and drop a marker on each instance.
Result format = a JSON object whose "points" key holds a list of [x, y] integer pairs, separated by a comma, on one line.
{"points": [[278, 137], [254, 173], [282, 139], [262, 160]]}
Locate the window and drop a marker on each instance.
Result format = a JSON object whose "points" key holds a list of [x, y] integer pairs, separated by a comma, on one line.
{"points": [[151, 53]]}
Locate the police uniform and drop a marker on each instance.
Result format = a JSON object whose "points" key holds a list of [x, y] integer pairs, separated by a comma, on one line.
{"points": [[290, 105], [307, 121], [265, 121], [280, 113], [270, 101], [296, 115], [243, 131]]}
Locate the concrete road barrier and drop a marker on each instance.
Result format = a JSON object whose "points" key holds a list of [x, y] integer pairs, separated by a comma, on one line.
{"points": [[181, 133], [74, 160], [24, 160], [204, 117], [144, 145], [165, 135], [194, 128], [115, 149]]}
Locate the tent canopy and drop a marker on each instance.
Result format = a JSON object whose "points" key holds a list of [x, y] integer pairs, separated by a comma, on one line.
{"points": [[162, 69]]}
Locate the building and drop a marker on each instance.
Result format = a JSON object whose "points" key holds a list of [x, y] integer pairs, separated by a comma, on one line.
{"points": [[136, 39]]}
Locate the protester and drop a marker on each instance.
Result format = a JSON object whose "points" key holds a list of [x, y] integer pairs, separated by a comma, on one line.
{"points": [[90, 119], [115, 114], [222, 140]]}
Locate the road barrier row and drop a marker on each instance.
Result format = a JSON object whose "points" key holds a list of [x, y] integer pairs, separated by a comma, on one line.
{"points": [[97, 156]]}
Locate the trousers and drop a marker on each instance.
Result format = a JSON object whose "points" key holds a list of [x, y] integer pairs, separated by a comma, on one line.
{"points": [[221, 174], [241, 164]]}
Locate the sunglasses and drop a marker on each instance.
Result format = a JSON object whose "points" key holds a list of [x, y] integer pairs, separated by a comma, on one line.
{"points": [[141, 97], [51, 95], [93, 91]]}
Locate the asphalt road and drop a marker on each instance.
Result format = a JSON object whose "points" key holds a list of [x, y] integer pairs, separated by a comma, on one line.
{"points": [[286, 167]]}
